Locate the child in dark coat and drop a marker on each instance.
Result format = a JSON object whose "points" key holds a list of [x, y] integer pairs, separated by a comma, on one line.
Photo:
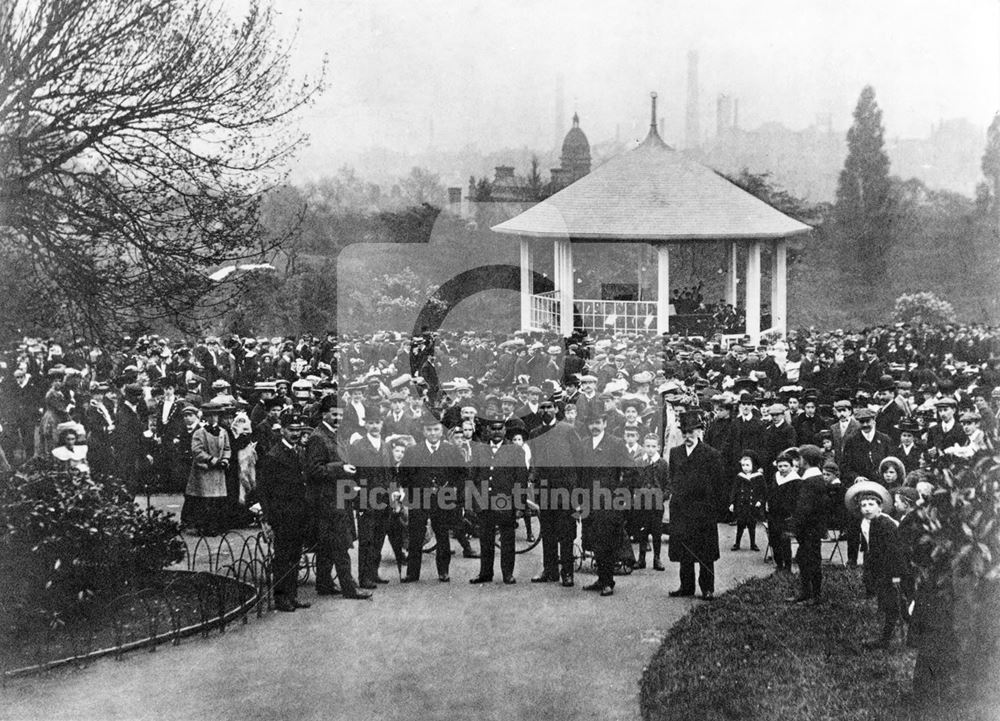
{"points": [[782, 495], [746, 499], [884, 567]]}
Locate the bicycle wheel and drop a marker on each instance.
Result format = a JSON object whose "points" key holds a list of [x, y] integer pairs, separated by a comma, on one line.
{"points": [[527, 533], [306, 565]]}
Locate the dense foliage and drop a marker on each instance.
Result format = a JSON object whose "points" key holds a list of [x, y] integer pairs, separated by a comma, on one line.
{"points": [[960, 562], [69, 540], [923, 308]]}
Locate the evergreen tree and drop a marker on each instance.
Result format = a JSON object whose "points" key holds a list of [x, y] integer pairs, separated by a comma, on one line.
{"points": [[864, 206]]}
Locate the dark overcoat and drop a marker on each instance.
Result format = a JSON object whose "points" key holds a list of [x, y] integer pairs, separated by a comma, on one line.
{"points": [[694, 511], [325, 459]]}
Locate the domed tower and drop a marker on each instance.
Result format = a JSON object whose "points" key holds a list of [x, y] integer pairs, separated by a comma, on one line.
{"points": [[575, 156]]}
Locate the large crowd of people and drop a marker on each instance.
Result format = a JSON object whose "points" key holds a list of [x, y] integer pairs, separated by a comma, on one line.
{"points": [[779, 432]]}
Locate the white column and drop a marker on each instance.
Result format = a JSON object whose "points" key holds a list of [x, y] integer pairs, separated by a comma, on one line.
{"points": [[731, 266], [753, 292], [662, 288], [779, 285], [527, 283], [563, 272]]}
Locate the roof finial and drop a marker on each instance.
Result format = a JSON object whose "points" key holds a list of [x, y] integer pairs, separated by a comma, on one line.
{"points": [[654, 136], [576, 120]]}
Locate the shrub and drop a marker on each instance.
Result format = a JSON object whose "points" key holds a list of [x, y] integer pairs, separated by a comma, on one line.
{"points": [[923, 308], [959, 556], [67, 540]]}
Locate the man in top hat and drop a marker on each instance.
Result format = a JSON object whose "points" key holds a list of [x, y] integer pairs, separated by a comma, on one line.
{"points": [[368, 455], [432, 473], [747, 429], [695, 469], [604, 464], [328, 473], [498, 473], [554, 453], [282, 492]]}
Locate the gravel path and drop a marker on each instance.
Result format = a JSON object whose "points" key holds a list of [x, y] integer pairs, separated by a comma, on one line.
{"points": [[422, 651]]}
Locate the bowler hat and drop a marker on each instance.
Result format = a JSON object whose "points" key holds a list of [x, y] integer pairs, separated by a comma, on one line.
{"points": [[690, 420]]}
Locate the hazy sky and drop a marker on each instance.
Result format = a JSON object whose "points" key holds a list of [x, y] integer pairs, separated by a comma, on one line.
{"points": [[484, 73]]}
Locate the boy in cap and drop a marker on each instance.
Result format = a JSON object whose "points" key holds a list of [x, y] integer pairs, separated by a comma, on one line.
{"points": [[884, 560]]}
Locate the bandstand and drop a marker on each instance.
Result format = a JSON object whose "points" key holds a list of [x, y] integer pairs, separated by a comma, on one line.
{"points": [[652, 194]]}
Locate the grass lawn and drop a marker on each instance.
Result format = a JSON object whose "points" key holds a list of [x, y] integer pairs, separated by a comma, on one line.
{"points": [[750, 655]]}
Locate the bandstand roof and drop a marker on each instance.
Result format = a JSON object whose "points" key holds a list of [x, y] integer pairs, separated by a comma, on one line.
{"points": [[652, 193]]}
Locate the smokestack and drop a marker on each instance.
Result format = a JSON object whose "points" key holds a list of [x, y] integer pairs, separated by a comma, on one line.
{"points": [[692, 131], [560, 119], [723, 115]]}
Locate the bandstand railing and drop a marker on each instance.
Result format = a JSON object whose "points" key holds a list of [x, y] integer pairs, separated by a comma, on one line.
{"points": [[617, 316], [545, 310]]}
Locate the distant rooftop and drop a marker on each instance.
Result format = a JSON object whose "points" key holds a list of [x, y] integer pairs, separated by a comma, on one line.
{"points": [[653, 193]]}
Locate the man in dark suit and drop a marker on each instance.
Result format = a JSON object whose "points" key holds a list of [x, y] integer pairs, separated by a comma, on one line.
{"points": [[399, 421], [863, 451], [747, 431], [947, 432], [554, 453], [368, 455], [695, 468], [892, 409], [779, 435], [432, 473], [282, 488], [499, 474], [329, 476], [528, 413], [604, 462], [129, 442], [844, 426]]}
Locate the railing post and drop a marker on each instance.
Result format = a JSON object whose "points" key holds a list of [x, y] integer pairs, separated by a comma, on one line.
{"points": [[662, 288]]}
